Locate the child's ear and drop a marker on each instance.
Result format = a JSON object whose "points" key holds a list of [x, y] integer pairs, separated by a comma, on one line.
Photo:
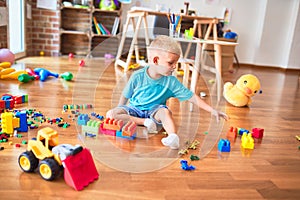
{"points": [[155, 60]]}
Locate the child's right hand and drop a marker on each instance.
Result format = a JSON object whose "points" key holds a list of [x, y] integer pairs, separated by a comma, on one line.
{"points": [[219, 114]]}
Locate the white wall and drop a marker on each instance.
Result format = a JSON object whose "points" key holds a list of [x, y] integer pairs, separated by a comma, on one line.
{"points": [[266, 28], [294, 60]]}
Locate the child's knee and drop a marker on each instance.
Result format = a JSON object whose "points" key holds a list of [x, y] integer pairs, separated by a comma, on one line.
{"points": [[113, 113], [110, 114], [163, 113]]}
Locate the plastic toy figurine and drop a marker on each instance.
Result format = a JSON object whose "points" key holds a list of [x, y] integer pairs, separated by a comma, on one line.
{"points": [[240, 94], [44, 73], [45, 154], [186, 166]]}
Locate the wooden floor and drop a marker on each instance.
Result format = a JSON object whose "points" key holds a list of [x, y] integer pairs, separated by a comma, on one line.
{"points": [[143, 168]]}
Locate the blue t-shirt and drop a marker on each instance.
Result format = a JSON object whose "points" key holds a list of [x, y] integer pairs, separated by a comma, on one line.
{"points": [[145, 93]]}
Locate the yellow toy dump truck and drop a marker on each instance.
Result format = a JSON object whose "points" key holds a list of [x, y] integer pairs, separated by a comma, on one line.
{"points": [[51, 159]]}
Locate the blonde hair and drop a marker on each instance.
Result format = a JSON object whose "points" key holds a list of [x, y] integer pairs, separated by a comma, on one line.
{"points": [[165, 43]]}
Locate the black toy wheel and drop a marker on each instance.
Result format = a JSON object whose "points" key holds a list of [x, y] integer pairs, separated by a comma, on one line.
{"points": [[27, 161], [49, 169]]}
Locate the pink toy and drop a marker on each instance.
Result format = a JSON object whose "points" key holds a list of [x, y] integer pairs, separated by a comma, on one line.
{"points": [[81, 63], [71, 55], [7, 56], [32, 73], [107, 131]]}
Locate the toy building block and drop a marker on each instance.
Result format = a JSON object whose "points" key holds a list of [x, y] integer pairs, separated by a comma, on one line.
{"points": [[113, 124], [186, 166], [7, 123], [247, 141], [23, 127], [107, 131], [2, 105], [83, 119], [9, 104], [92, 127], [232, 132], [241, 131], [224, 145], [257, 133], [21, 99], [129, 128], [128, 131], [120, 135]]}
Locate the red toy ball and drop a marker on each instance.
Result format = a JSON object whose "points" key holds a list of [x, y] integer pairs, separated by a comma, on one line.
{"points": [[7, 56], [71, 55], [81, 63]]}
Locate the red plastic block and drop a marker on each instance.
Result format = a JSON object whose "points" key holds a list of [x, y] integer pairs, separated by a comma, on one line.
{"points": [[129, 129], [113, 124], [2, 105], [80, 170], [257, 132], [107, 131], [18, 99]]}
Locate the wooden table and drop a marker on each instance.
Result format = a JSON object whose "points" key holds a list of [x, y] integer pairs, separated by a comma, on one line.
{"points": [[199, 60], [141, 15]]}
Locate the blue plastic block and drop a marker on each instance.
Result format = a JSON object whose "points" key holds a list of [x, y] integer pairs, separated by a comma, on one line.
{"points": [[224, 145], [23, 121], [6, 97], [119, 134], [83, 119], [9, 104], [242, 130]]}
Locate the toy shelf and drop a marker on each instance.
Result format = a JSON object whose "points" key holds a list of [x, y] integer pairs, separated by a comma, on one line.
{"points": [[78, 34]]}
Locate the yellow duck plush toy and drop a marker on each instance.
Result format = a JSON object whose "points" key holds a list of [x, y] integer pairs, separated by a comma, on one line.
{"points": [[240, 94]]}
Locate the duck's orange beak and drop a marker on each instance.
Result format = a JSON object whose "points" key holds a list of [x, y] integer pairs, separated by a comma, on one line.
{"points": [[248, 90]]}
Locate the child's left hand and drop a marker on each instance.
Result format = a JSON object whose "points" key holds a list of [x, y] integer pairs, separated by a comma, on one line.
{"points": [[219, 114]]}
